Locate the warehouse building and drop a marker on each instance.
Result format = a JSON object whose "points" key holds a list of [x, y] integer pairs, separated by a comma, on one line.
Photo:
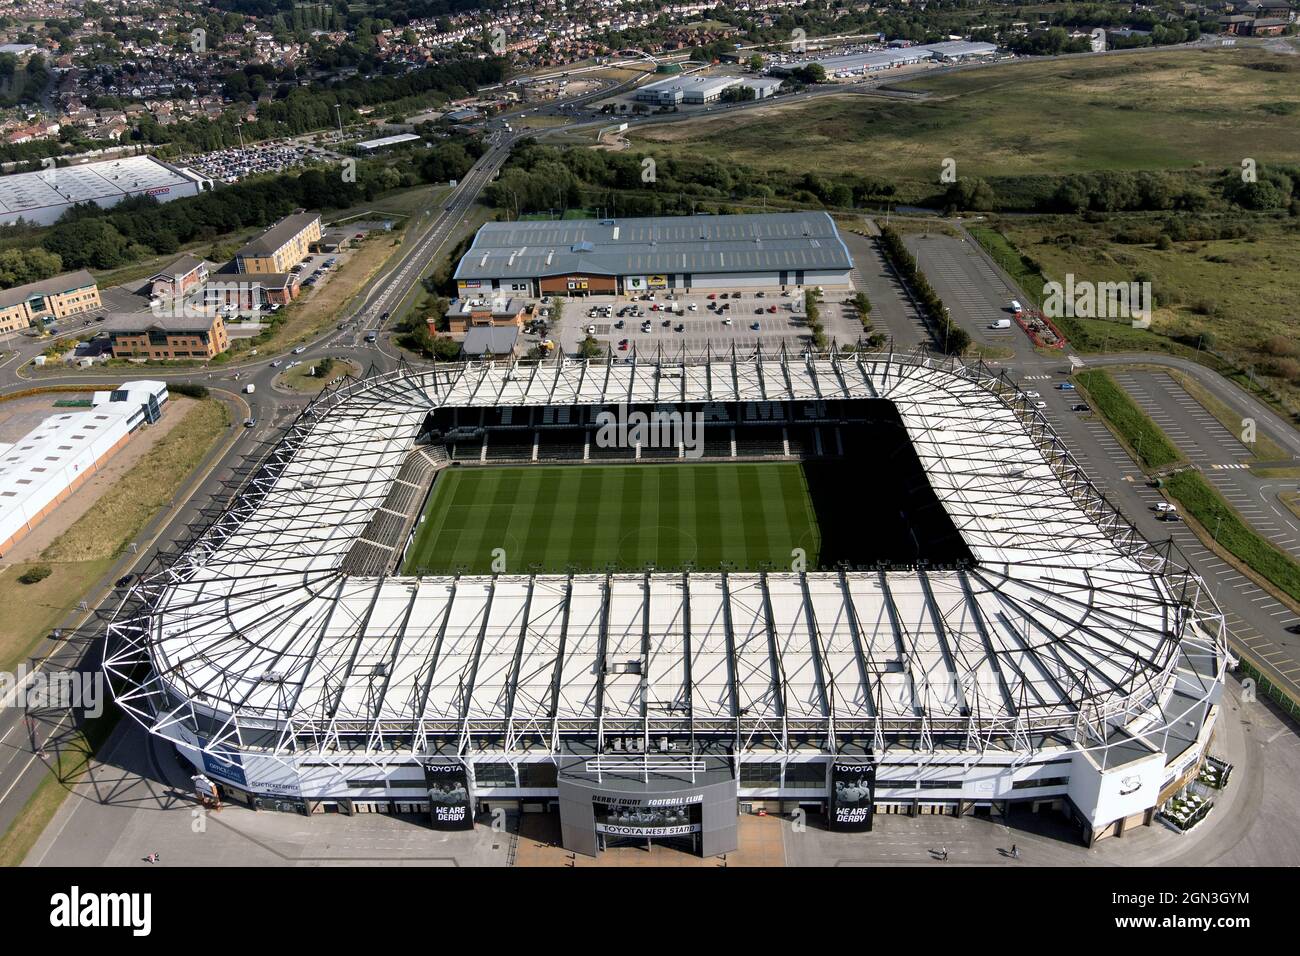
{"points": [[44, 467], [282, 246], [621, 256], [862, 64], [699, 90], [955, 51], [384, 142], [49, 300], [42, 197]]}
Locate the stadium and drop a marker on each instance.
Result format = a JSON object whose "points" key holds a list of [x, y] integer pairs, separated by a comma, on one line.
{"points": [[854, 584]]}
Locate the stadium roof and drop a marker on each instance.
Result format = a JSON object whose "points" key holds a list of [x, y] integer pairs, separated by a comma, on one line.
{"points": [[767, 242], [25, 193], [1068, 625]]}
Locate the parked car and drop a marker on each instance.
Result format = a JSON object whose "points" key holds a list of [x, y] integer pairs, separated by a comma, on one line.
{"points": [[1066, 387]]}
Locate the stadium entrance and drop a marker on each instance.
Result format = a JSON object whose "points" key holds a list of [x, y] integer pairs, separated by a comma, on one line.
{"points": [[685, 801]]}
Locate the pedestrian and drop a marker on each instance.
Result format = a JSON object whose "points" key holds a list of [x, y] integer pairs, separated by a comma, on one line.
{"points": [[943, 854], [1015, 852], [153, 857]]}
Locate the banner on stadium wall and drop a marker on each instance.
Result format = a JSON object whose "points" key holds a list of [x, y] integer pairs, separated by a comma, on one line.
{"points": [[853, 791], [657, 282], [635, 283], [226, 766], [451, 803], [647, 816], [266, 775]]}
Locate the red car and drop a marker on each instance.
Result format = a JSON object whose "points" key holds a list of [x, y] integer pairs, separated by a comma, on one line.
{"points": [[713, 295]]}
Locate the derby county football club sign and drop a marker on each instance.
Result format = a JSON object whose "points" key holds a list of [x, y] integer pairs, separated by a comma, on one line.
{"points": [[853, 786], [450, 800]]}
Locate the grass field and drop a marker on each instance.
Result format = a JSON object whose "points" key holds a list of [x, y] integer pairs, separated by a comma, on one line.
{"points": [[1131, 112], [1240, 294], [551, 518]]}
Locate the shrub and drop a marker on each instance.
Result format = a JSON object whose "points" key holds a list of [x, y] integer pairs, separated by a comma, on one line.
{"points": [[35, 574], [189, 389]]}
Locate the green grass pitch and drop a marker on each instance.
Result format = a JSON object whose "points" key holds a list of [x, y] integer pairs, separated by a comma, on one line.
{"points": [[552, 518]]}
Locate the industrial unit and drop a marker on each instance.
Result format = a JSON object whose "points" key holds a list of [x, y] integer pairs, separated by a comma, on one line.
{"points": [[42, 197], [53, 460], [697, 90], [1068, 664], [619, 256]]}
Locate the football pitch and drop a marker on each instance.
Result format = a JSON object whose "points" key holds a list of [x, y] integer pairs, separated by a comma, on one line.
{"points": [[555, 518]]}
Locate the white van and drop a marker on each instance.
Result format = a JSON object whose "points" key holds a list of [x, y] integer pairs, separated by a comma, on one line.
{"points": [[250, 388]]}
